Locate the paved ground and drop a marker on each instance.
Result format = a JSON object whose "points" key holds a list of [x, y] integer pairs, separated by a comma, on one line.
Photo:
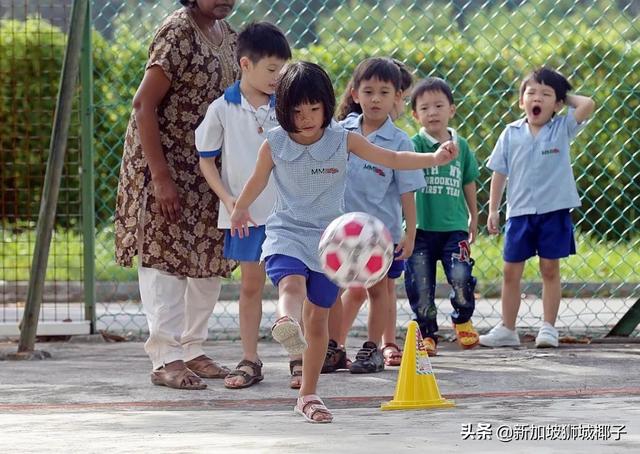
{"points": [[96, 397]]}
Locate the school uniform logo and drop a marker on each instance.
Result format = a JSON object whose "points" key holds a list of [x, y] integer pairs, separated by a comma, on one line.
{"points": [[326, 171], [377, 170], [550, 151]]}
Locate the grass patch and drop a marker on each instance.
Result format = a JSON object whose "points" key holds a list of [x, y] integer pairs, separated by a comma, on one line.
{"points": [[596, 261]]}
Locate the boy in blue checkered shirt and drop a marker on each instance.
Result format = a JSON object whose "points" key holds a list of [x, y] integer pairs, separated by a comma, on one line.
{"points": [[532, 159]]}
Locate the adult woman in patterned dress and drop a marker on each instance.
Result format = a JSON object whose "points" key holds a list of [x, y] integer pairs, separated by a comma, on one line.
{"points": [[166, 214]]}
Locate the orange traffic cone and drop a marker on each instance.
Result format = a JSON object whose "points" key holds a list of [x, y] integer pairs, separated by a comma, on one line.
{"points": [[416, 387]]}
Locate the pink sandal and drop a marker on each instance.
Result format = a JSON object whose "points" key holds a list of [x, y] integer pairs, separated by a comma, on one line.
{"points": [[311, 405], [287, 332]]}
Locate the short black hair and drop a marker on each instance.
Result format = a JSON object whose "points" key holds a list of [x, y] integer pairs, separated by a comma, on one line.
{"points": [[303, 83], [381, 68], [430, 84], [406, 78], [187, 2], [262, 39], [549, 77]]}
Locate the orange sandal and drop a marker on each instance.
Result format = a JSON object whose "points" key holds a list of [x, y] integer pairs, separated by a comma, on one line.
{"points": [[466, 335], [392, 354]]}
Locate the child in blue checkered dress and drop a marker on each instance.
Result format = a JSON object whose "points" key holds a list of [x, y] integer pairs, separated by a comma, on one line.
{"points": [[307, 157]]}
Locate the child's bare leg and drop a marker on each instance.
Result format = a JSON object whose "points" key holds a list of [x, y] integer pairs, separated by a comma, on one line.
{"points": [[250, 309], [389, 333], [352, 301], [316, 321], [511, 293], [335, 320], [551, 289], [287, 330], [292, 291], [378, 310]]}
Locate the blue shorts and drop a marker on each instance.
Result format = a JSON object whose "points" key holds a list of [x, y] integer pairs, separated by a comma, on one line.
{"points": [[548, 235], [320, 290], [246, 249], [397, 266]]}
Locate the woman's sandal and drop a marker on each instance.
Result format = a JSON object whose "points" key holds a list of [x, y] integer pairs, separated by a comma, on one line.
{"points": [[392, 354], [287, 332], [177, 379], [311, 405], [295, 367], [205, 367], [250, 379]]}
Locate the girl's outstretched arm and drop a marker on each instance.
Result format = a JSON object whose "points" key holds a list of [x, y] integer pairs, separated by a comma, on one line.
{"points": [[402, 160], [240, 218]]}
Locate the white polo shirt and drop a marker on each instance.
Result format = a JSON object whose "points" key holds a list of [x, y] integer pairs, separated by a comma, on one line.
{"points": [[234, 130]]}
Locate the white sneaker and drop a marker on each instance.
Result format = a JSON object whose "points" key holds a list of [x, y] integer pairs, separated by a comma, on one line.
{"points": [[547, 336], [500, 336]]}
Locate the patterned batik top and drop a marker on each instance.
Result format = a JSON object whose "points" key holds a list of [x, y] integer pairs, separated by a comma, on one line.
{"points": [[199, 71]]}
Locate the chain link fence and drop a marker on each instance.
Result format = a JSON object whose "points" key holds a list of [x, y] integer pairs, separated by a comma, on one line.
{"points": [[481, 47]]}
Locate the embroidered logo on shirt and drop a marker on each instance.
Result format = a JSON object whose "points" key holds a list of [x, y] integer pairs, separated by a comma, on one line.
{"points": [[551, 151], [375, 169], [330, 170]]}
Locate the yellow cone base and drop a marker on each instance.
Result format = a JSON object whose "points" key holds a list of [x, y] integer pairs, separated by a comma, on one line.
{"points": [[416, 387], [413, 405]]}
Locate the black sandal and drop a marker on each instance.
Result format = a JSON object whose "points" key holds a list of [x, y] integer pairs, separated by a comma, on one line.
{"points": [[294, 384], [249, 379]]}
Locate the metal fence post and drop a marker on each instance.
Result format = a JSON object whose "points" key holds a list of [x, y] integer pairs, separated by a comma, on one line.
{"points": [[51, 187], [88, 183]]}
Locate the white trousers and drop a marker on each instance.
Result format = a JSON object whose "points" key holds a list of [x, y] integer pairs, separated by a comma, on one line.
{"points": [[178, 310]]}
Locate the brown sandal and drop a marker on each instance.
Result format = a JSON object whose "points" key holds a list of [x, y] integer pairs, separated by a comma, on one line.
{"points": [[295, 383], [392, 354], [249, 379], [205, 367], [177, 379], [310, 406]]}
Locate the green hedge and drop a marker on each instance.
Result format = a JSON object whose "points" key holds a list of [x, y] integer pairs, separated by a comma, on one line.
{"points": [[485, 82]]}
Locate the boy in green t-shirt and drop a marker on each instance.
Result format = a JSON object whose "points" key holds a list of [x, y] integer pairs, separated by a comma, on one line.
{"points": [[447, 220]]}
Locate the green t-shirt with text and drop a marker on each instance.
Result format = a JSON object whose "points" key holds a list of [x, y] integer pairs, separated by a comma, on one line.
{"points": [[441, 206]]}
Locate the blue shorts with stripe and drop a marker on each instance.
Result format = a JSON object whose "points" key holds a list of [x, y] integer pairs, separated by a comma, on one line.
{"points": [[245, 249], [548, 235]]}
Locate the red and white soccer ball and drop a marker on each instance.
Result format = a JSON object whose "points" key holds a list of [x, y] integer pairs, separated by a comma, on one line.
{"points": [[356, 250]]}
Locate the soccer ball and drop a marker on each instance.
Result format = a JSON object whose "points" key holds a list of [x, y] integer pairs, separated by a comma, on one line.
{"points": [[356, 250]]}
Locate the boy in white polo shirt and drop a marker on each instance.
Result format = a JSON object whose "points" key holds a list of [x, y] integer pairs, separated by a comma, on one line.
{"points": [[532, 158], [233, 129]]}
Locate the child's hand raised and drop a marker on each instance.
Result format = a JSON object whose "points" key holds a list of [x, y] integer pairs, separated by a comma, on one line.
{"points": [[446, 153], [240, 220]]}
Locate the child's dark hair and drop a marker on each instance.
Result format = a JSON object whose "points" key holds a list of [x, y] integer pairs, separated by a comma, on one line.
{"points": [[406, 78], [430, 84], [549, 77], [303, 83], [187, 2], [381, 68], [262, 39]]}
